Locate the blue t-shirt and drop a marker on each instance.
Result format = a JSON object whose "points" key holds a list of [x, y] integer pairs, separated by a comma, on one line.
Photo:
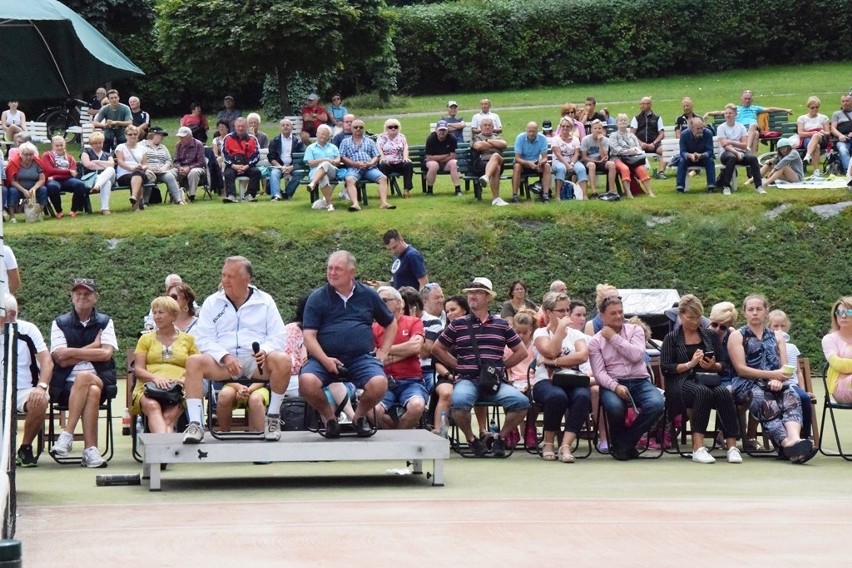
{"points": [[457, 134], [337, 113], [345, 328], [407, 268], [317, 152], [747, 115], [530, 150]]}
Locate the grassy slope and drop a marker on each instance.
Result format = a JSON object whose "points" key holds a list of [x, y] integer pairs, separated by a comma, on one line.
{"points": [[717, 248]]}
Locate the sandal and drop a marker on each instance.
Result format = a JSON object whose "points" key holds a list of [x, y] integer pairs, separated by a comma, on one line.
{"points": [[548, 455], [565, 455]]}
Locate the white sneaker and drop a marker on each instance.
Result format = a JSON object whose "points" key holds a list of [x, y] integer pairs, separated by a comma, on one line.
{"points": [[817, 173], [92, 458], [194, 433], [761, 191], [734, 455], [329, 207], [498, 201], [726, 191], [807, 159], [63, 444], [484, 181], [250, 198], [272, 432], [319, 204], [701, 455]]}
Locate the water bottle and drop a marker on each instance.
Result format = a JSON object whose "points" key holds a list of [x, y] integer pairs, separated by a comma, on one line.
{"points": [[125, 423], [445, 425], [492, 427], [139, 425]]}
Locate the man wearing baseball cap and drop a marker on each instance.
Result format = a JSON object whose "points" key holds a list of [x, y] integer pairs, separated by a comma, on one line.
{"points": [[441, 156], [188, 165], [454, 349], [454, 123], [229, 113], [313, 114], [82, 343]]}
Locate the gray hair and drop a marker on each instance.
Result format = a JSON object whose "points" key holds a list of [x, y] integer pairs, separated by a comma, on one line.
{"points": [[324, 127], [241, 260], [390, 291], [350, 258]]}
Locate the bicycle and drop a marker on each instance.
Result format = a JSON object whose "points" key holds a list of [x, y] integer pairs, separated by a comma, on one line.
{"points": [[63, 120]]}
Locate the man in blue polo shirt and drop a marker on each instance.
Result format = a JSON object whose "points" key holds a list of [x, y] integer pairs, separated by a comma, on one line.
{"points": [[531, 159], [454, 349], [747, 116], [338, 332], [408, 268]]}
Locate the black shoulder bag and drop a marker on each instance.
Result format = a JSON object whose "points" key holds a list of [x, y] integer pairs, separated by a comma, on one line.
{"points": [[489, 375]]}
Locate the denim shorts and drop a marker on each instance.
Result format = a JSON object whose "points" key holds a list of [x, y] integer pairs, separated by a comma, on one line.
{"points": [[361, 370], [466, 394], [405, 390], [371, 174]]}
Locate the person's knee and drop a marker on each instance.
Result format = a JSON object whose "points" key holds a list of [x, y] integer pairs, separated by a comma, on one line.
{"points": [[415, 405]]}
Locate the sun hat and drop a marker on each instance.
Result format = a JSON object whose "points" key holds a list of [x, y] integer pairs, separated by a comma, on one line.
{"points": [[481, 284]]}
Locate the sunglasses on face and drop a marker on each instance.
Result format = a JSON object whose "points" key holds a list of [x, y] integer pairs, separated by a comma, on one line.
{"points": [[719, 326], [357, 128], [393, 127], [841, 312]]}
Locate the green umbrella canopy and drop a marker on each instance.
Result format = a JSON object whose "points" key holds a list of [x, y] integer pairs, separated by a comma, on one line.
{"points": [[51, 52]]}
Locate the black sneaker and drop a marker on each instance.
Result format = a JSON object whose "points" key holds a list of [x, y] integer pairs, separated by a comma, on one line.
{"points": [[515, 199], [332, 429], [477, 446], [498, 447], [26, 457], [679, 189], [363, 428]]}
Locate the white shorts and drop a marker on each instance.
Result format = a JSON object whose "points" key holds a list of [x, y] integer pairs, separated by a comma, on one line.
{"points": [[23, 395]]}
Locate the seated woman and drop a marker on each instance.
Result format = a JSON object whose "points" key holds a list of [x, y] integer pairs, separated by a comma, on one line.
{"points": [[786, 167], [814, 130], [566, 161], [629, 157], [559, 346], [96, 161], [759, 356], [685, 350], [197, 122], [837, 348], [13, 121], [160, 358], [184, 295], [60, 170], [25, 179], [722, 317], [216, 156], [517, 300], [393, 148], [596, 157], [132, 169]]}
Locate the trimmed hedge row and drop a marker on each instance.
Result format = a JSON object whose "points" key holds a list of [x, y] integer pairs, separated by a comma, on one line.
{"points": [[505, 44]]}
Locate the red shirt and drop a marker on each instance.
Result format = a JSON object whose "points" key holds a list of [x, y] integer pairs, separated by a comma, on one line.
{"points": [[320, 112], [48, 162], [406, 328]]}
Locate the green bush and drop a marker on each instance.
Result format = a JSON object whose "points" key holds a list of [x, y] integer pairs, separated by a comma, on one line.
{"points": [[504, 44]]}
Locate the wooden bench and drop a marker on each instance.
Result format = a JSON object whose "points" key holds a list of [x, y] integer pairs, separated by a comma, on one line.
{"points": [[36, 130], [407, 445], [777, 122], [418, 157]]}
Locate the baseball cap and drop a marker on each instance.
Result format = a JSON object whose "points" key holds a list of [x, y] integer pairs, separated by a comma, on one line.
{"points": [[157, 130], [184, 131], [547, 125], [228, 97], [313, 97], [87, 283], [442, 125], [452, 104]]}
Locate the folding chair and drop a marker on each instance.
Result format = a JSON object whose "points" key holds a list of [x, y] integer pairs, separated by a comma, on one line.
{"points": [[461, 446], [657, 429], [829, 406], [58, 410], [212, 396]]}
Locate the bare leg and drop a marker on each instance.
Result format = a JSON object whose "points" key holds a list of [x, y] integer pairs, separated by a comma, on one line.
{"points": [[35, 420]]}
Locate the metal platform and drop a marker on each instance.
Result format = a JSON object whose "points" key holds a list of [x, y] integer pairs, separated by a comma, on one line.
{"points": [[409, 445]]}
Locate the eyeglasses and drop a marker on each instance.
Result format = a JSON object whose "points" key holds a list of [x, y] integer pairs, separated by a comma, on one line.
{"points": [[388, 300], [840, 313], [562, 311], [719, 326], [393, 127]]}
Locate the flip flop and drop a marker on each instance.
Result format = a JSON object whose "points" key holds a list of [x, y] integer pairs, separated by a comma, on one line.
{"points": [[353, 209], [548, 455], [566, 456], [388, 207]]}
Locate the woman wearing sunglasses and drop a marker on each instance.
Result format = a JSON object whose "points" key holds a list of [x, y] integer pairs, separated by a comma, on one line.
{"points": [[837, 347]]}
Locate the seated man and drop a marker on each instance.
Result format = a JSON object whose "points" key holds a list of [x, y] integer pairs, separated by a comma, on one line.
{"points": [[403, 364], [487, 159], [228, 113], [189, 163], [492, 335], [531, 159], [338, 336], [648, 128], [240, 334], [589, 114], [696, 149], [441, 156], [323, 159], [682, 122], [35, 368], [841, 127], [281, 150], [361, 156], [313, 115], [617, 357], [241, 152], [733, 138], [485, 112], [82, 343], [346, 131]]}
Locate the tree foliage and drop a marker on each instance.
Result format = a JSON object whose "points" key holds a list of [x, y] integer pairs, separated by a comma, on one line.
{"points": [[270, 36], [115, 18]]}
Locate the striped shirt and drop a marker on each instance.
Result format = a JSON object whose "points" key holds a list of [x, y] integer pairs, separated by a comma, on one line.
{"points": [[492, 337]]}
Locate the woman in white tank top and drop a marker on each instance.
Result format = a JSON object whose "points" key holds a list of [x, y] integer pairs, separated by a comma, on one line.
{"points": [[13, 121]]}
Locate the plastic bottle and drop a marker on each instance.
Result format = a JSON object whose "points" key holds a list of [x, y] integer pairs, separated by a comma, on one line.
{"points": [[140, 428], [125, 423], [445, 425], [492, 427]]}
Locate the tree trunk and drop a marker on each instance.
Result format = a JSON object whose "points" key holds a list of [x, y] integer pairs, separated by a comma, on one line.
{"points": [[283, 94]]}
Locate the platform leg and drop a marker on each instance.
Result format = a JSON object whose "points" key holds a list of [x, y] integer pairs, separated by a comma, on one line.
{"points": [[146, 470], [417, 467], [437, 473], [154, 473]]}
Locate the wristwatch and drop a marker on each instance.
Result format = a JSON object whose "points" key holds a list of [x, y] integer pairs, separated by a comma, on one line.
{"points": [[43, 385]]}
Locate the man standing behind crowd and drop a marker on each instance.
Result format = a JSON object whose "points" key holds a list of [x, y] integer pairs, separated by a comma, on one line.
{"points": [[113, 119], [228, 113], [408, 268], [454, 124], [338, 335], [230, 324], [441, 155], [312, 116], [485, 112]]}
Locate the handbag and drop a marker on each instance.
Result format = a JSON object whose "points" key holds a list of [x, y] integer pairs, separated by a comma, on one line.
{"points": [[568, 379], [709, 380], [490, 375], [633, 160], [32, 210], [171, 395], [89, 179]]}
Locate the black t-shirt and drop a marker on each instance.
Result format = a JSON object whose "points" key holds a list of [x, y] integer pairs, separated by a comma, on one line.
{"points": [[436, 147]]}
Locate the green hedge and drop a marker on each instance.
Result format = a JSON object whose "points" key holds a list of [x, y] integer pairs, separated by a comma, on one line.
{"points": [[799, 261], [505, 44]]}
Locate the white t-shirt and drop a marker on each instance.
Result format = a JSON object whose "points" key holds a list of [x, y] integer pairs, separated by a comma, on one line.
{"points": [[572, 336], [736, 132], [9, 263], [495, 118], [58, 341], [25, 359], [817, 122]]}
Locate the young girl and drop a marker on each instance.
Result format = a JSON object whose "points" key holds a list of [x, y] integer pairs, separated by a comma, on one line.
{"points": [[524, 324], [778, 321], [788, 167]]}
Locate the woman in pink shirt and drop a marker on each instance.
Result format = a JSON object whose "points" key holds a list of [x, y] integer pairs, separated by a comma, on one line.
{"points": [[393, 148], [837, 347]]}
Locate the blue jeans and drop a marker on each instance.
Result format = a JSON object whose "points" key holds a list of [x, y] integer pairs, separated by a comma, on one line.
{"points": [[807, 410], [466, 394], [709, 166], [13, 198], [843, 149], [556, 401], [275, 183], [648, 399]]}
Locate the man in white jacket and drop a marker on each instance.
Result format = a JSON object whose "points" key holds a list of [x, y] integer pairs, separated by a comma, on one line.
{"points": [[240, 334]]}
